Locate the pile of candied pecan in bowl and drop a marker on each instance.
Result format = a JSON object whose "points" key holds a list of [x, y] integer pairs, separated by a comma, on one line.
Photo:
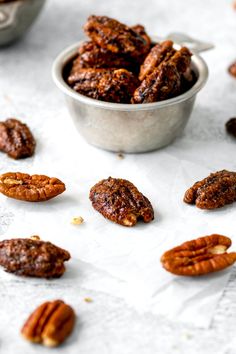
{"points": [[120, 64]]}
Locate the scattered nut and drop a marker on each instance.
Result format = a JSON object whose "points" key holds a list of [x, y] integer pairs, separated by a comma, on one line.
{"points": [[50, 324], [77, 221], [120, 201], [231, 126], [214, 191], [201, 256], [35, 188], [16, 139], [34, 258]]}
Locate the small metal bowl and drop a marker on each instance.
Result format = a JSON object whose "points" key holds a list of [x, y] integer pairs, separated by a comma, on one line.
{"points": [[131, 128], [16, 17]]}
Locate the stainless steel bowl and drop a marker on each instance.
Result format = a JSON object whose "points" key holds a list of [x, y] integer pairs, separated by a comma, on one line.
{"points": [[16, 17], [131, 128]]}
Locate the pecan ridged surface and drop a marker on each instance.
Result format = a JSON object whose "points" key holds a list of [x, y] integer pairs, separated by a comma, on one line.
{"points": [[121, 202], [34, 258]]}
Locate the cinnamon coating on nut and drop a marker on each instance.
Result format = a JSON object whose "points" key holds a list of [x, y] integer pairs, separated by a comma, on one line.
{"points": [[16, 139], [116, 37], [34, 258], [110, 85], [214, 191], [121, 202], [165, 81]]}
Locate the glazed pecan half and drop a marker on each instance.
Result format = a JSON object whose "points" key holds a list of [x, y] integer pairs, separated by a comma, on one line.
{"points": [[35, 188], [16, 139], [117, 37], [32, 257], [201, 256], [120, 201], [214, 191], [50, 324], [231, 126]]}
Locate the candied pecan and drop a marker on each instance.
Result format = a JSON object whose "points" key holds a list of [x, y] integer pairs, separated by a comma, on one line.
{"points": [[120, 201], [214, 191], [231, 126], [159, 53], [50, 324], [165, 81], [35, 188], [117, 37], [201, 256], [32, 257], [110, 85], [90, 55], [16, 139], [232, 69]]}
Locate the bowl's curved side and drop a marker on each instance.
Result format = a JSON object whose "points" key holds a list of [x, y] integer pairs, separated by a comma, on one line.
{"points": [[21, 15]]}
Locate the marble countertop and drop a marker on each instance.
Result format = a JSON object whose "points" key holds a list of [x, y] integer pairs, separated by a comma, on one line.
{"points": [[108, 325]]}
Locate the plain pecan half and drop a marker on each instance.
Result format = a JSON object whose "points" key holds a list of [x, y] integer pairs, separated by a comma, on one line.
{"points": [[35, 188], [32, 257], [201, 256], [16, 139], [50, 324], [120, 201], [214, 191]]}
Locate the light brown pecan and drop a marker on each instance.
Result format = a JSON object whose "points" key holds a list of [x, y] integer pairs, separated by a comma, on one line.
{"points": [[214, 191], [121, 202], [50, 324], [201, 256], [16, 139], [33, 257], [35, 188]]}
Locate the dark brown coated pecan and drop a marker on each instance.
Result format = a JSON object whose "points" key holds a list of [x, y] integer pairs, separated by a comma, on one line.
{"points": [[110, 85], [16, 139], [214, 191], [165, 81], [32, 257], [120, 201], [231, 126], [117, 37], [159, 53], [50, 324], [232, 69], [198, 257], [35, 188]]}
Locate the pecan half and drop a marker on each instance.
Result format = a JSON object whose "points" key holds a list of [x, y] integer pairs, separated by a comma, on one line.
{"points": [[214, 191], [50, 324], [32, 257], [120, 201], [231, 126], [232, 69], [201, 256], [35, 188], [16, 139]]}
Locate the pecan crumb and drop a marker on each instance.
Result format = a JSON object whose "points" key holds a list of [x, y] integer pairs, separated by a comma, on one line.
{"points": [[88, 299], [77, 220], [232, 69]]}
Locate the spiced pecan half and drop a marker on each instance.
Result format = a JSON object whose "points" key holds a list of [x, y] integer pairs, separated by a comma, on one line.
{"points": [[16, 139], [35, 188], [50, 324], [32, 257], [214, 191], [231, 126], [201, 256], [120, 201]]}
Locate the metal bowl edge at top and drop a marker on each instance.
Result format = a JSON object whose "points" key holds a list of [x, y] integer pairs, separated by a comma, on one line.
{"points": [[131, 128]]}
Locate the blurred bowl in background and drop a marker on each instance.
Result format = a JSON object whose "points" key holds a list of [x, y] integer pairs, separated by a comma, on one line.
{"points": [[130, 128], [16, 17]]}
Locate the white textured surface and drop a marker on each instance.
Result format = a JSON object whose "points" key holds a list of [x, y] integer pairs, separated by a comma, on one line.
{"points": [[107, 325]]}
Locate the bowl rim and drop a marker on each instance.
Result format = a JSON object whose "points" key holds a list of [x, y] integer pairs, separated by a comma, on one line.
{"points": [[69, 52]]}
